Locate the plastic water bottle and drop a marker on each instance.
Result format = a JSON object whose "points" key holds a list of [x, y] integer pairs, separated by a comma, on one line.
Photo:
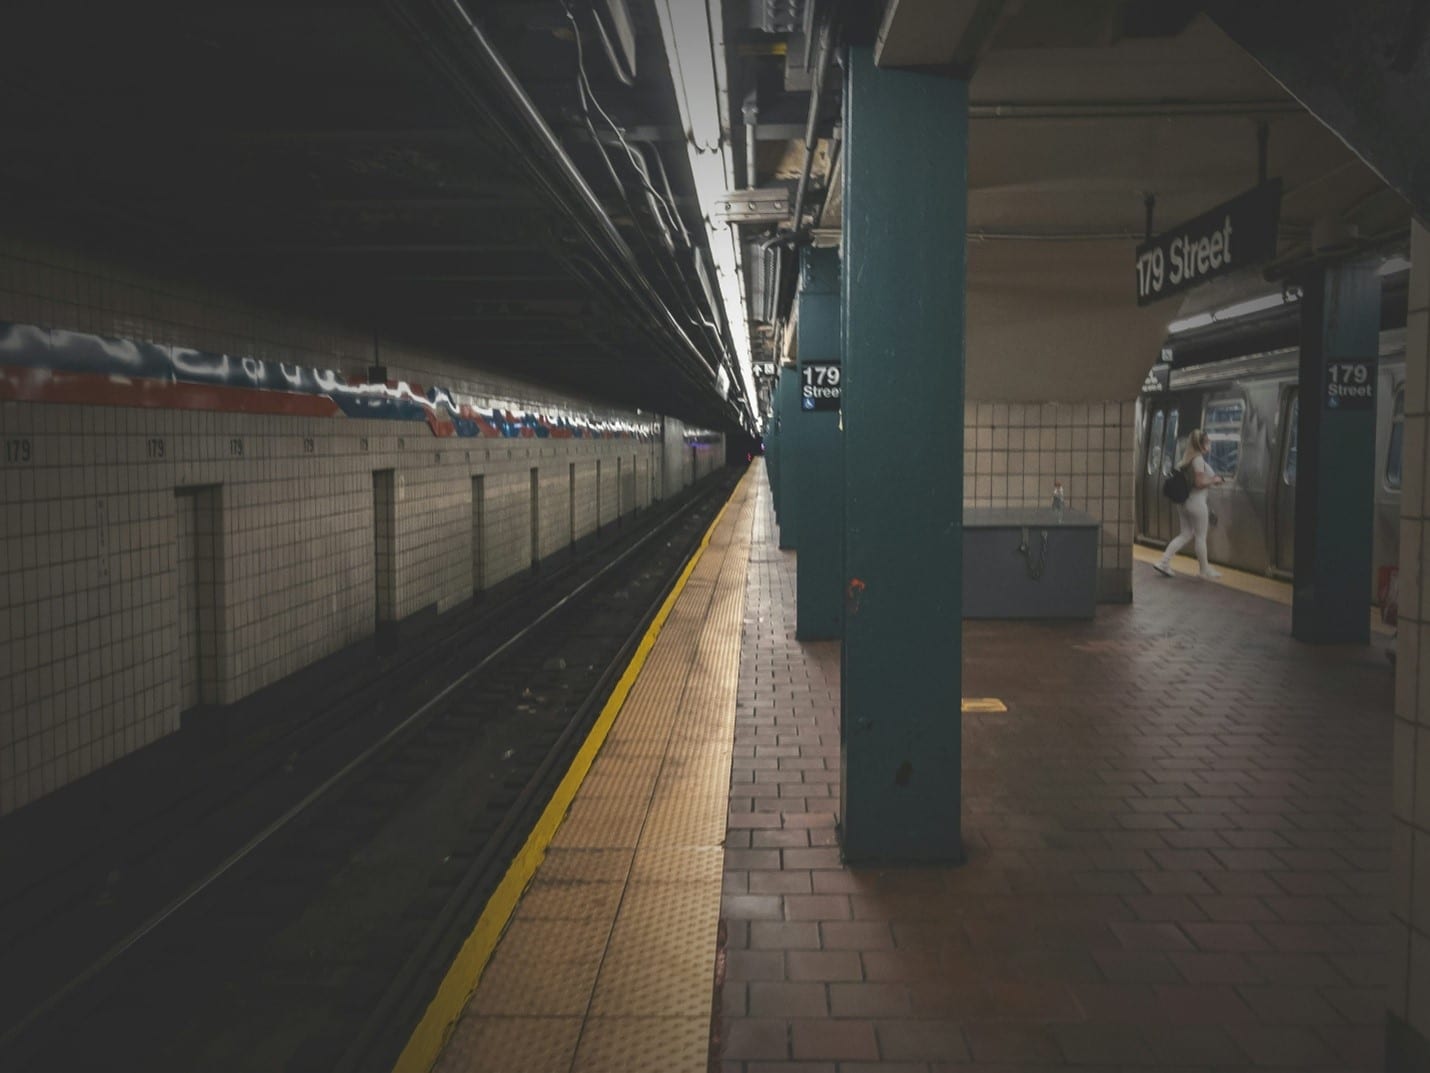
{"points": [[1058, 499]]}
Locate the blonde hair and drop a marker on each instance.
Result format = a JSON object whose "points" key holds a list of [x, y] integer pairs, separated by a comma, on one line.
{"points": [[1194, 447]]}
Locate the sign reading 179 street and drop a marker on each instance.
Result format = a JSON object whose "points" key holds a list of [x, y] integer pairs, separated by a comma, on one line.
{"points": [[1240, 233], [1350, 384], [819, 385]]}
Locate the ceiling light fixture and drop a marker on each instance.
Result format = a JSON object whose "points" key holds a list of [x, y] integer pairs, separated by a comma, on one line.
{"points": [[693, 36], [1235, 311], [1392, 265]]}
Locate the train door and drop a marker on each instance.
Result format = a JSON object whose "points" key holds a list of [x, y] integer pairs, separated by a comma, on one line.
{"points": [[1159, 454], [1390, 449], [1235, 536], [1284, 483], [1151, 465], [1171, 521]]}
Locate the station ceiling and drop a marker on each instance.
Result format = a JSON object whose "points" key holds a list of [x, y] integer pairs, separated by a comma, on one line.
{"points": [[391, 164], [1079, 113], [511, 180]]}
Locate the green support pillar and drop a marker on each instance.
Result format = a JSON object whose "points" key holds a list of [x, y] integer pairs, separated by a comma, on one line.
{"points": [[1335, 449], [791, 461], [819, 594], [772, 449], [905, 216]]}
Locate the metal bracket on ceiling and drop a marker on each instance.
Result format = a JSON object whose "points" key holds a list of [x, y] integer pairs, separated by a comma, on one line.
{"points": [[766, 205]]}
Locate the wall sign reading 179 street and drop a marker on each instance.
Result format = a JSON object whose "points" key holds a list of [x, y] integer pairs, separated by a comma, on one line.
{"points": [[819, 383], [1240, 233]]}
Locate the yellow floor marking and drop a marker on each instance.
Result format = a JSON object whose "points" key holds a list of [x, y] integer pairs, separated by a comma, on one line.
{"points": [[1254, 584], [983, 704], [427, 1039]]}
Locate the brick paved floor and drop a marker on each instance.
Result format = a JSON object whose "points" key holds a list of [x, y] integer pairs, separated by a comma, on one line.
{"points": [[1178, 843]]}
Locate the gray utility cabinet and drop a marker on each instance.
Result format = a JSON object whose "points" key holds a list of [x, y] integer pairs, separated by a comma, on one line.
{"points": [[1029, 562]]}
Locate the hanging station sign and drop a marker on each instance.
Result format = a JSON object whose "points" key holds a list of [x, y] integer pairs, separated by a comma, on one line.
{"points": [[1237, 234], [819, 385]]}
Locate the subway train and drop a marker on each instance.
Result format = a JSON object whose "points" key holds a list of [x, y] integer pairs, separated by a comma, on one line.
{"points": [[1247, 404]]}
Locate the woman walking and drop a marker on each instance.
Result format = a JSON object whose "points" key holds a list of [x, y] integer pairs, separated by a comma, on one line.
{"points": [[1200, 476]]}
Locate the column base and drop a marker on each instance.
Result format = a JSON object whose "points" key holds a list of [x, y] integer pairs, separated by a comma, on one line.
{"points": [[856, 857], [1406, 1050]]}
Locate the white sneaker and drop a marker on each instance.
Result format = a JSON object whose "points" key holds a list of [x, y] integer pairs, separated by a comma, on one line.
{"points": [[1164, 569], [1210, 574]]}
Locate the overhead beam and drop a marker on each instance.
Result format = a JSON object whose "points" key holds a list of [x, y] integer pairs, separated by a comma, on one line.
{"points": [[946, 34], [1065, 110], [91, 133], [347, 249], [230, 201], [491, 197]]}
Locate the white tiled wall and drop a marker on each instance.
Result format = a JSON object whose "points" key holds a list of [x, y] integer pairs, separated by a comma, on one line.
{"points": [[684, 463], [384, 543], [90, 599], [1012, 453], [198, 579], [1409, 992]]}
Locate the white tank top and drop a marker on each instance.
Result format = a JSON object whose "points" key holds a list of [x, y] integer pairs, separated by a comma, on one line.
{"points": [[1199, 465]]}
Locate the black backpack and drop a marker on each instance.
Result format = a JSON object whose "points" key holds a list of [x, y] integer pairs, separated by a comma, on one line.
{"points": [[1177, 487]]}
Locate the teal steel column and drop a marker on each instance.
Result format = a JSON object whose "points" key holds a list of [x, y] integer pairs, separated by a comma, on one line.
{"points": [[905, 215], [1335, 448], [819, 600], [792, 462], [772, 449]]}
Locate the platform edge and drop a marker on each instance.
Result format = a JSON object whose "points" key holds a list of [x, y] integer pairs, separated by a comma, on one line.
{"points": [[425, 1045]]}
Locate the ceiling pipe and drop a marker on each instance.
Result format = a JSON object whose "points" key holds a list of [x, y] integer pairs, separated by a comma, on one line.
{"points": [[821, 65], [693, 34], [560, 177], [616, 49], [740, 356], [751, 113]]}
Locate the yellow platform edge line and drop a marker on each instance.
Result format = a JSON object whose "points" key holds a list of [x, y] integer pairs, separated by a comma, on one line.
{"points": [[1268, 588], [425, 1044], [983, 704]]}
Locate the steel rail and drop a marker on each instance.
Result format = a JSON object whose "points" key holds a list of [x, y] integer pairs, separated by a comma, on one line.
{"points": [[508, 838]]}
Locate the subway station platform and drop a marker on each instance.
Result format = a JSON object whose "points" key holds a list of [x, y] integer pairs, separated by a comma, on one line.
{"points": [[1178, 838]]}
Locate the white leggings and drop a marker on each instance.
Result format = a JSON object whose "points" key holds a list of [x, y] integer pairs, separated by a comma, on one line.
{"points": [[1194, 525]]}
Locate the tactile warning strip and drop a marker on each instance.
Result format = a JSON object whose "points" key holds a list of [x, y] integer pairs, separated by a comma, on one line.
{"points": [[621, 1044], [609, 961], [511, 1044]]}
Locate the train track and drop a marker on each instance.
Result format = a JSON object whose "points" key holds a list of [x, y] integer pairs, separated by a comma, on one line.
{"points": [[305, 927]]}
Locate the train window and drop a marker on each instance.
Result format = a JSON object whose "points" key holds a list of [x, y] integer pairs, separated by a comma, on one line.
{"points": [[1154, 443], [1288, 467], [1222, 426], [1396, 451], [1169, 445]]}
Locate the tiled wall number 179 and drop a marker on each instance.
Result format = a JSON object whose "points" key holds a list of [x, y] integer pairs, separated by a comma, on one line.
{"points": [[153, 448], [17, 451]]}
